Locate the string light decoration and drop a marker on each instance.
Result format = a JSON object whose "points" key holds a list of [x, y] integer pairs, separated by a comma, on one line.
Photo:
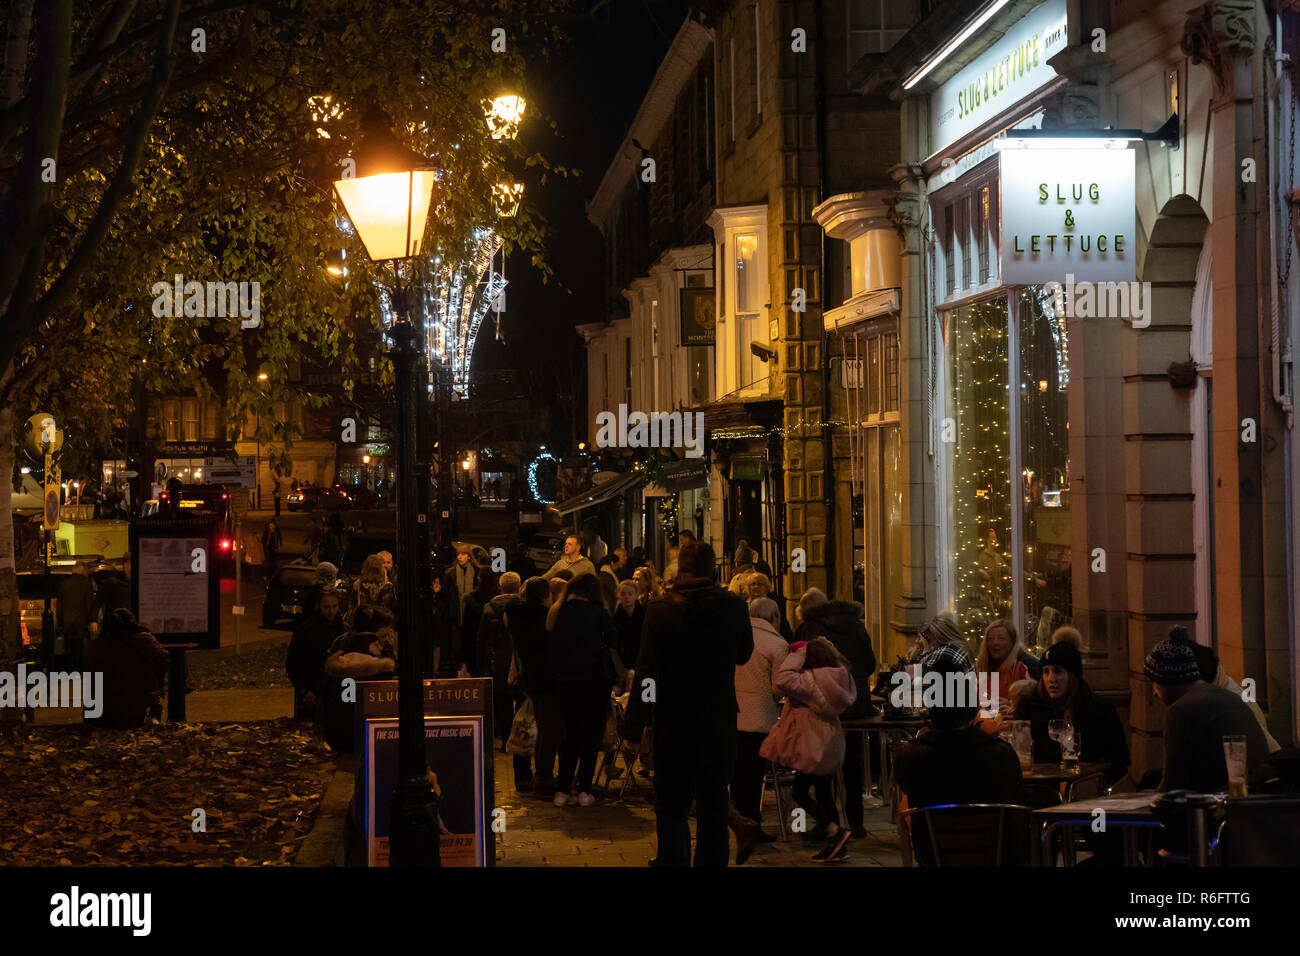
{"points": [[981, 500], [532, 476], [458, 297], [668, 515]]}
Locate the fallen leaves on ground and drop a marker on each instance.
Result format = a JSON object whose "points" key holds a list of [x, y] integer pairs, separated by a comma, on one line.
{"points": [[259, 667], [78, 796]]}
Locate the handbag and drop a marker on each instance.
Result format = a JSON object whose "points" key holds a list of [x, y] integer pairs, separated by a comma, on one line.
{"points": [[516, 675], [803, 741], [523, 730]]}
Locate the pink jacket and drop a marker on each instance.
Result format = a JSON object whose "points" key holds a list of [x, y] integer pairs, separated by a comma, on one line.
{"points": [[826, 691]]}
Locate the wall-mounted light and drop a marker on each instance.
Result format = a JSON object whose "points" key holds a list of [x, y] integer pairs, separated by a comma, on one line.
{"points": [[1088, 138], [952, 44]]}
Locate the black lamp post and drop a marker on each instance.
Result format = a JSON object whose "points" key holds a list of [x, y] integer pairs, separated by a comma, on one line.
{"points": [[387, 202]]}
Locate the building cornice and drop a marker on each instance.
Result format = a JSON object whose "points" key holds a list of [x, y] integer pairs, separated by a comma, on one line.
{"points": [[688, 50], [849, 215], [863, 307]]}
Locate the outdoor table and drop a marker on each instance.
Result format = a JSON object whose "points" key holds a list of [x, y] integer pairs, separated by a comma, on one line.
{"points": [[889, 728], [1068, 778], [1131, 812]]}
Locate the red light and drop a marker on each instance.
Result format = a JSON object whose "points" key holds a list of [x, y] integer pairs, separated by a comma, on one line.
{"points": [[224, 496], [163, 496], [225, 544]]}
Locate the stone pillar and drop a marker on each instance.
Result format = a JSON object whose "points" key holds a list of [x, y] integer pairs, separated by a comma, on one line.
{"points": [[918, 598], [1249, 540]]}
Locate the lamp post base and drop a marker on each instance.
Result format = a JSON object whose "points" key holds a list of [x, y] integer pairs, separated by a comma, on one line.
{"points": [[414, 838]]}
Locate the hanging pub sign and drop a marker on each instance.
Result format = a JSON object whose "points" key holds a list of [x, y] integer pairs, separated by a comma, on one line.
{"points": [[698, 316], [1068, 213], [1009, 70]]}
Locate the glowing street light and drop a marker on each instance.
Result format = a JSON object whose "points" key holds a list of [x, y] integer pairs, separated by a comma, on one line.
{"points": [[387, 201]]}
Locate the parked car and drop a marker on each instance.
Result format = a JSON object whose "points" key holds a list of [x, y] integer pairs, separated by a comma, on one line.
{"points": [[360, 496], [312, 499], [290, 594], [544, 549]]}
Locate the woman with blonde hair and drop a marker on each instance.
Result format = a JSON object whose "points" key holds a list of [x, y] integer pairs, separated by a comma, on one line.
{"points": [[648, 586], [999, 655], [372, 587]]}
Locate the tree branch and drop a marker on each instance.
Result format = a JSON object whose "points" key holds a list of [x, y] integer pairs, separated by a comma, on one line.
{"points": [[137, 135]]}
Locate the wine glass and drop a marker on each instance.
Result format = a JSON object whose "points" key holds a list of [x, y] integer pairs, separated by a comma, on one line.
{"points": [[1057, 731]]}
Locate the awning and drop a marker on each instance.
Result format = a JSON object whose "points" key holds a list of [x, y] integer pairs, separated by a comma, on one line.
{"points": [[598, 494]]}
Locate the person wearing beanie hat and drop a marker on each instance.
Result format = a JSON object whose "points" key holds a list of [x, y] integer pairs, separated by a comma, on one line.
{"points": [[1063, 694], [1199, 716]]}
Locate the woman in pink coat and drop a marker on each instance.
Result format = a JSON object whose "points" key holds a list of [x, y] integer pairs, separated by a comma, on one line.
{"points": [[815, 678]]}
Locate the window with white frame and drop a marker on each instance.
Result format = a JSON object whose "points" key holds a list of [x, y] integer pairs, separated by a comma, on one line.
{"points": [[965, 219], [748, 327]]}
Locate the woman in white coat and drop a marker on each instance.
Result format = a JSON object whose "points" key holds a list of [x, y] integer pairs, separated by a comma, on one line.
{"points": [[757, 698]]}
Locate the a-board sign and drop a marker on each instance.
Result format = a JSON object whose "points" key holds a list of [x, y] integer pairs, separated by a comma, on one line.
{"points": [[458, 747]]}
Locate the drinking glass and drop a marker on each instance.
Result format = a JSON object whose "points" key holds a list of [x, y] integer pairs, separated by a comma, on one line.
{"points": [[1072, 748], [1234, 754], [1056, 731]]}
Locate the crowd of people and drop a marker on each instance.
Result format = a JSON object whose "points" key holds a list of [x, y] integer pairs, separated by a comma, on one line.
{"points": [[709, 687]]}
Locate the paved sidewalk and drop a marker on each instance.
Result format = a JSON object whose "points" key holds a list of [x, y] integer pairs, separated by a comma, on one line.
{"points": [[237, 705], [538, 833]]}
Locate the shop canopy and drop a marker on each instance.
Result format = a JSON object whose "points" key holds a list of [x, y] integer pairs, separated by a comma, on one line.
{"points": [[599, 494]]}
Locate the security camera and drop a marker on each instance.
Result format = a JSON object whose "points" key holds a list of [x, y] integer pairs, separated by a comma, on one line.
{"points": [[762, 351]]}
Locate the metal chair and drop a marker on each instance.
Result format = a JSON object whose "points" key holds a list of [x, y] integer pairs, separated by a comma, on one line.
{"points": [[778, 777], [1259, 831], [975, 834]]}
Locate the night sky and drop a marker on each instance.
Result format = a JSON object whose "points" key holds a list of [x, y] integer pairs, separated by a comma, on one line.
{"points": [[592, 91]]}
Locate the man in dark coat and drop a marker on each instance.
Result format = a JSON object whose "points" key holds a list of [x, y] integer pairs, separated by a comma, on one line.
{"points": [[308, 649], [691, 643], [134, 666], [74, 615], [841, 623], [494, 650], [955, 762]]}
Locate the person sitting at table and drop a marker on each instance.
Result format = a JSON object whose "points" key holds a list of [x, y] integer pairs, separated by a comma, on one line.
{"points": [[999, 663], [954, 762], [1063, 694], [1199, 715], [1212, 672], [939, 640]]}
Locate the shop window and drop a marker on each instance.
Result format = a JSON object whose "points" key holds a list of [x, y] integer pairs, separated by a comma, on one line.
{"points": [[979, 510], [1008, 492]]}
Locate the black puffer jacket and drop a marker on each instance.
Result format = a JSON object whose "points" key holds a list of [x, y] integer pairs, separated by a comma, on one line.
{"points": [[1094, 717], [840, 622]]}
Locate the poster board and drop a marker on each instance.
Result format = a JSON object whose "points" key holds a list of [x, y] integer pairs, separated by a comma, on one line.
{"points": [[458, 747], [453, 747], [168, 596]]}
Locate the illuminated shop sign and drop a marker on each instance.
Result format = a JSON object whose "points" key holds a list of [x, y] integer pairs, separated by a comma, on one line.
{"points": [[1068, 211], [1008, 71]]}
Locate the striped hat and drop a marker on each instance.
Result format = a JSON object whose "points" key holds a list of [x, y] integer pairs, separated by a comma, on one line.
{"points": [[1170, 662]]}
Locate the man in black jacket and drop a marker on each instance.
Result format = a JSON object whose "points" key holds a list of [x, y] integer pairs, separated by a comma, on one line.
{"points": [[955, 762], [308, 649], [691, 643], [840, 622]]}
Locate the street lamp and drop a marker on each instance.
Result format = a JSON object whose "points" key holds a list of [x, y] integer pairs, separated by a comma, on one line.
{"points": [[387, 202]]}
